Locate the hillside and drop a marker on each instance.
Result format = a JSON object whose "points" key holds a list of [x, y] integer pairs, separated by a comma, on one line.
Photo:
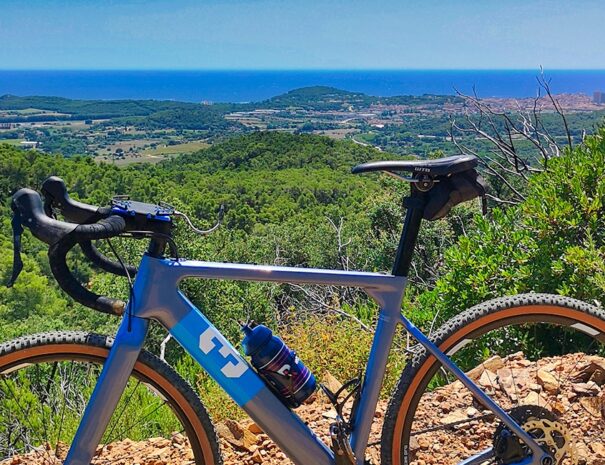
{"points": [[83, 109], [291, 200], [315, 97]]}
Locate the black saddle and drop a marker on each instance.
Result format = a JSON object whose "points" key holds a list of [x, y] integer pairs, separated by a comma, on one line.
{"points": [[437, 184], [434, 168]]}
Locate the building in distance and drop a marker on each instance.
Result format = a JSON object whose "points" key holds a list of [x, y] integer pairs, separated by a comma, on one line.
{"points": [[29, 145], [598, 97]]}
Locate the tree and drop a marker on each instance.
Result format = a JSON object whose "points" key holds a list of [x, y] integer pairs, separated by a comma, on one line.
{"points": [[552, 242]]}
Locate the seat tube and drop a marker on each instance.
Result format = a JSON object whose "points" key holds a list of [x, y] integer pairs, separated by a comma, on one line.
{"points": [[388, 321], [372, 383], [108, 391]]}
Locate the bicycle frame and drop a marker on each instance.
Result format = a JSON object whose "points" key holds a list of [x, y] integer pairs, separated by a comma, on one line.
{"points": [[156, 296]]}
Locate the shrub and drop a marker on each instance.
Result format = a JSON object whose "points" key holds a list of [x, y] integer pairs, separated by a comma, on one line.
{"points": [[337, 345], [554, 242]]}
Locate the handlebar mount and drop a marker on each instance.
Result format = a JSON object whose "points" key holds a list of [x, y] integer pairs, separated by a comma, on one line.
{"points": [[84, 224]]}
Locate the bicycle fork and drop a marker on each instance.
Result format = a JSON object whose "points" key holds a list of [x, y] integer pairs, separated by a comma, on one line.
{"points": [[108, 391]]}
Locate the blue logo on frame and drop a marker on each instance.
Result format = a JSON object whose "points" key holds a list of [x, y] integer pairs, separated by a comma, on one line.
{"points": [[218, 357]]}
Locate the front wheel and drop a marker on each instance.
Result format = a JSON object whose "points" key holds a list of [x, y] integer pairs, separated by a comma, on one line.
{"points": [[46, 381], [541, 357]]}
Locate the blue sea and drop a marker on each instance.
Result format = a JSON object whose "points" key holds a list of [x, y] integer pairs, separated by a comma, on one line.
{"points": [[249, 86]]}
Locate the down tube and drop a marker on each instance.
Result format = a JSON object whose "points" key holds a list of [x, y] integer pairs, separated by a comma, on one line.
{"points": [[220, 359]]}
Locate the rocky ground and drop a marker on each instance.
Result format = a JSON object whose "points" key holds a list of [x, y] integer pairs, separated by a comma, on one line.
{"points": [[571, 387]]}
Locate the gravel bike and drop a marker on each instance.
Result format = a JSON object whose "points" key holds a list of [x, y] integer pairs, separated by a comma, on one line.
{"points": [[527, 369]]}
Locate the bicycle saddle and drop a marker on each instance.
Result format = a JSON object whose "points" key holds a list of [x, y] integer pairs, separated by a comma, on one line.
{"points": [[437, 167]]}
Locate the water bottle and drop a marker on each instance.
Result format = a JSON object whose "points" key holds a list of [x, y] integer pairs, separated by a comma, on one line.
{"points": [[278, 366]]}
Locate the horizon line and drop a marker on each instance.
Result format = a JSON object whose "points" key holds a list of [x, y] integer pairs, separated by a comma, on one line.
{"points": [[328, 70]]}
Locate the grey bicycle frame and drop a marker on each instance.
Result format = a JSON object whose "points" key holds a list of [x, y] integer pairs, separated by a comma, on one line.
{"points": [[156, 296]]}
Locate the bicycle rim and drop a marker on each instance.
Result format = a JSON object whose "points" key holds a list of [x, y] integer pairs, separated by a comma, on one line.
{"points": [[44, 388], [541, 359]]}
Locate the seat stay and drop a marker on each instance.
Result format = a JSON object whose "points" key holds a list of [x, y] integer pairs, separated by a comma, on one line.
{"points": [[539, 456]]}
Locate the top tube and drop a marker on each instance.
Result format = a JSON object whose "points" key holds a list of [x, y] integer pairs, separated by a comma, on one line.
{"points": [[158, 279]]}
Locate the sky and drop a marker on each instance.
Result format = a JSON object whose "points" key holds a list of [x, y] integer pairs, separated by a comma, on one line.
{"points": [[303, 34]]}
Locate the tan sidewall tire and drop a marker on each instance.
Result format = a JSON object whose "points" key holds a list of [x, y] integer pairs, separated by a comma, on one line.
{"points": [[73, 346], [489, 315]]}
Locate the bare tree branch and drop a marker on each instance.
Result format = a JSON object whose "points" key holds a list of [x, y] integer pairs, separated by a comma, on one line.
{"points": [[321, 301], [545, 83], [504, 130]]}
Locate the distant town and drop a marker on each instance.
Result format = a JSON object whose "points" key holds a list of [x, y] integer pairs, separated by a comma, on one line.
{"points": [[130, 131]]}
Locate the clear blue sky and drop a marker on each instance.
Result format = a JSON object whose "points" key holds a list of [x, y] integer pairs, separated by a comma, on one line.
{"points": [[302, 34]]}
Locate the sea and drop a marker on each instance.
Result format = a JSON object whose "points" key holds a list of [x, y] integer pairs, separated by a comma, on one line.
{"points": [[251, 86]]}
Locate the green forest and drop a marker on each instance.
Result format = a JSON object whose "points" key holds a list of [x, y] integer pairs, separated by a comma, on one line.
{"points": [[291, 200]]}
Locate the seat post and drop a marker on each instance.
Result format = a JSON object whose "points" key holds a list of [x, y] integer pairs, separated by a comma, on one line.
{"points": [[413, 219]]}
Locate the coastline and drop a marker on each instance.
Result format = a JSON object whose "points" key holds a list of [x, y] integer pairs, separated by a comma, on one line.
{"points": [[253, 86]]}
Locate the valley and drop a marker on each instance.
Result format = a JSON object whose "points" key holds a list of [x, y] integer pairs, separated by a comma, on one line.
{"points": [[128, 131]]}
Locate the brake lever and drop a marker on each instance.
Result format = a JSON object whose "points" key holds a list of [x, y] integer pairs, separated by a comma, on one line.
{"points": [[17, 262], [204, 232]]}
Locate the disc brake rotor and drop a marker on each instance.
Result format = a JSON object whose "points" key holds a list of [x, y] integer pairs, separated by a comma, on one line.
{"points": [[542, 425], [554, 437]]}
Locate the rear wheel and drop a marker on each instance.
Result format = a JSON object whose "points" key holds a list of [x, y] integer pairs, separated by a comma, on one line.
{"points": [[541, 357], [46, 381]]}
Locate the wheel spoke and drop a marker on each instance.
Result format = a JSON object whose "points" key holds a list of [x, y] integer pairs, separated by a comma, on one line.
{"points": [[42, 399], [24, 414], [119, 417], [140, 422], [42, 402], [452, 425], [63, 410], [505, 359]]}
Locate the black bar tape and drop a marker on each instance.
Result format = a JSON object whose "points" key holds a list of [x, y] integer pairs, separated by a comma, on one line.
{"points": [[57, 257], [103, 229], [57, 197], [57, 254]]}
